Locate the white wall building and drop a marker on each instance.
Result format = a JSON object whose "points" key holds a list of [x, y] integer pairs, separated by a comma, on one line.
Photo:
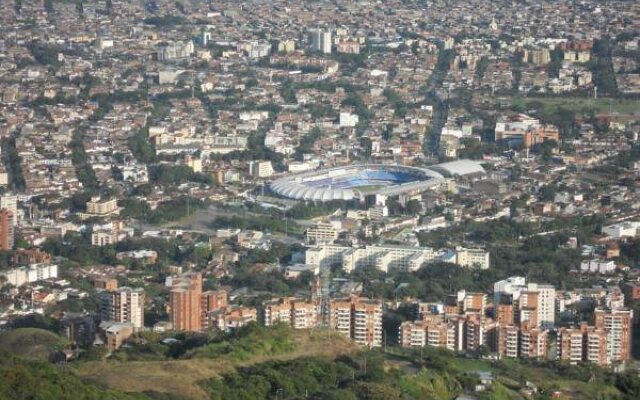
{"points": [[544, 307], [320, 40], [261, 169], [622, 229], [123, 305], [32, 273], [385, 258], [597, 266], [348, 120], [472, 258]]}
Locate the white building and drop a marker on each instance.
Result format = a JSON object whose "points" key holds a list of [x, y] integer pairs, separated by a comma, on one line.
{"points": [[320, 40], [123, 305], [260, 169], [530, 298], [472, 258], [622, 229], [509, 286], [323, 232], [32, 273], [384, 258], [598, 266], [348, 120], [546, 307], [255, 49], [175, 50], [227, 144]]}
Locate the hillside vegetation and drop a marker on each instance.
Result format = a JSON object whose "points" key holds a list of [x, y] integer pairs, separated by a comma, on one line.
{"points": [[179, 368], [37, 380], [32, 343]]}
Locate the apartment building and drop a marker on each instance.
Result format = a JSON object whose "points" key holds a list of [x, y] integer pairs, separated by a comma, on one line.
{"points": [[533, 342], [367, 323], [185, 303], [261, 169], [504, 314], [605, 343], [385, 258], [453, 332], [29, 274], [323, 233], [104, 237], [211, 301], [6, 229], [477, 330], [298, 313], [596, 346], [472, 302], [570, 344], [533, 303], [357, 318], [10, 202], [97, 206], [304, 314], [277, 311], [123, 305], [508, 341], [472, 258], [412, 334], [320, 40], [617, 325], [340, 316]]}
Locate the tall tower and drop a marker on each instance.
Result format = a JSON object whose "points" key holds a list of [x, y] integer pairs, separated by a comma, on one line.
{"points": [[186, 303], [10, 202], [6, 229], [124, 304], [320, 40]]}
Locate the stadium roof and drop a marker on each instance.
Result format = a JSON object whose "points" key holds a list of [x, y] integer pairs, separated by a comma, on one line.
{"points": [[301, 187], [458, 168]]}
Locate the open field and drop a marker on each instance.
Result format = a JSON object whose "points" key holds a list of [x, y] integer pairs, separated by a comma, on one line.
{"points": [[181, 377], [368, 188], [601, 105], [473, 365]]}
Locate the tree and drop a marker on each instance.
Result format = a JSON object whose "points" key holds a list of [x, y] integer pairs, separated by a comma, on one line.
{"points": [[141, 147], [413, 207], [12, 162], [84, 171], [306, 143]]}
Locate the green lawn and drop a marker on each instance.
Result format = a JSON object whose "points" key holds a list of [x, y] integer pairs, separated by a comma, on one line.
{"points": [[601, 105], [471, 365], [368, 188]]}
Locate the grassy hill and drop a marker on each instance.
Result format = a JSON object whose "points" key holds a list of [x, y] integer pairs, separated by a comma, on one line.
{"points": [[31, 343], [136, 372]]}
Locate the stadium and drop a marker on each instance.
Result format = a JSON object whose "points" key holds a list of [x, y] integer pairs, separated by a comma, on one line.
{"points": [[355, 182]]}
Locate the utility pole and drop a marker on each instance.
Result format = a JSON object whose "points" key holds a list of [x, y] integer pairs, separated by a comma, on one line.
{"points": [[384, 333], [365, 366]]}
